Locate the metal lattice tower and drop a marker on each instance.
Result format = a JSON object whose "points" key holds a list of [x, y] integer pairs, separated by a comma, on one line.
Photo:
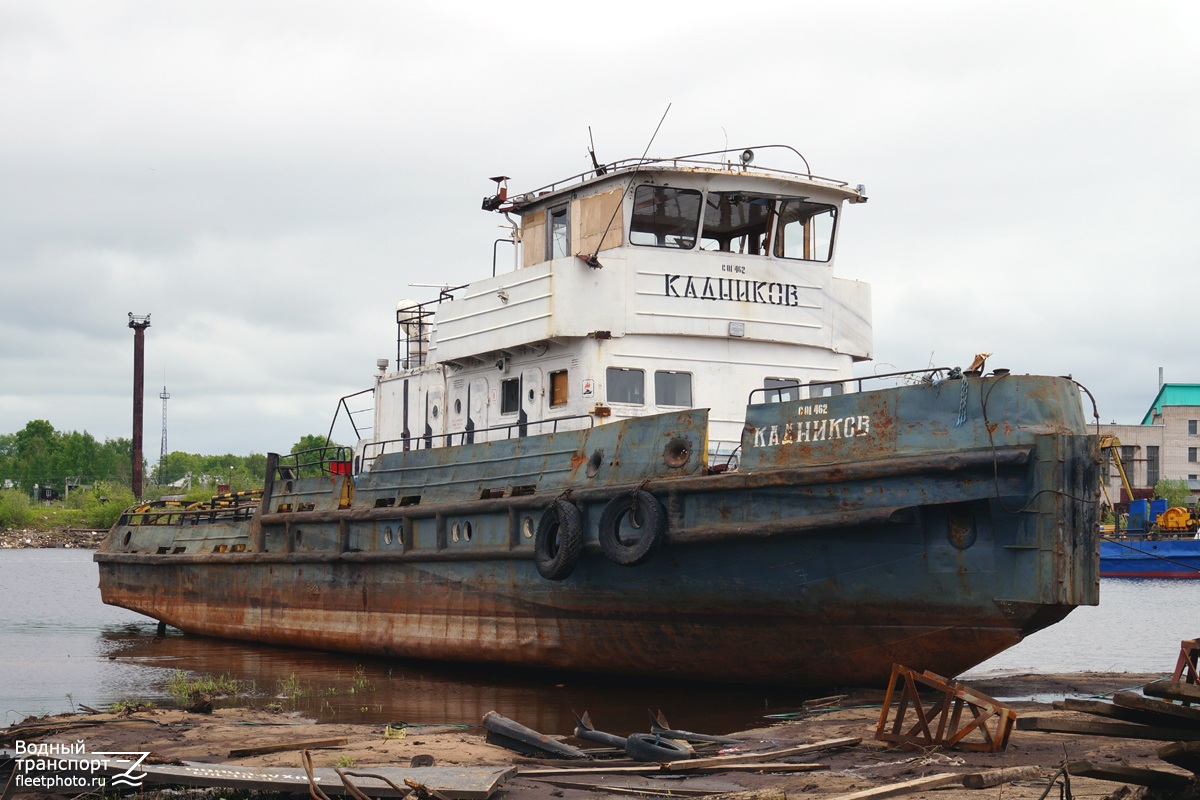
{"points": [[162, 459]]}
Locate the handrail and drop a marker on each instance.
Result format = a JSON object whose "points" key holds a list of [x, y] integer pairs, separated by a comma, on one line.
{"points": [[927, 377], [465, 437], [332, 459], [349, 415], [694, 159]]}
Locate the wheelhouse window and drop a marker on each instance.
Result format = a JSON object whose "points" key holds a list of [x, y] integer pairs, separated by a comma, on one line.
{"points": [[736, 222], [626, 385], [510, 395], [673, 388], [781, 390], [825, 390], [805, 230], [558, 388], [558, 232], [664, 216]]}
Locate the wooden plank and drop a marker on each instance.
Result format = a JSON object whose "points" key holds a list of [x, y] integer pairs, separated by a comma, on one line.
{"points": [[1183, 692], [1168, 711], [763, 766], [1122, 773], [994, 777], [283, 747], [1185, 755], [767, 755], [670, 767], [905, 787], [1125, 730], [674, 791], [1101, 708]]}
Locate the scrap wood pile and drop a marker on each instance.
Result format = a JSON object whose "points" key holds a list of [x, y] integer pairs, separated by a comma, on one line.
{"points": [[1166, 710]]}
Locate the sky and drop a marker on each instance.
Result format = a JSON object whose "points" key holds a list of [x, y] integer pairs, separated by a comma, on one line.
{"points": [[267, 178]]}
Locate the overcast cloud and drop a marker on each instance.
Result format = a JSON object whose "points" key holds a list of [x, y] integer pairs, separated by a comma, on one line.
{"points": [[267, 178]]}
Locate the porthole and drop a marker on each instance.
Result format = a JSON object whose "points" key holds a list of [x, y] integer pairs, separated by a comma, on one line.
{"points": [[527, 527], [128, 536], [531, 395], [299, 535], [466, 530], [433, 412], [454, 532], [387, 535], [458, 406]]}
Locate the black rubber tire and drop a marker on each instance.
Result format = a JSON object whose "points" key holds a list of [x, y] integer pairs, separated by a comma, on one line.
{"points": [[559, 541], [653, 525], [652, 747]]}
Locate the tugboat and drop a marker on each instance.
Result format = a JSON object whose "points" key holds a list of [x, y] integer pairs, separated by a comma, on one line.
{"points": [[643, 450]]}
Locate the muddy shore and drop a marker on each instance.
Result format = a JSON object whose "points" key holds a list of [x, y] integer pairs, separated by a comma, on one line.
{"points": [[176, 735], [84, 538]]}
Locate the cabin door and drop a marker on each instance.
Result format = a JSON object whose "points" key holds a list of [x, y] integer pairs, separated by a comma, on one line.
{"points": [[531, 400]]}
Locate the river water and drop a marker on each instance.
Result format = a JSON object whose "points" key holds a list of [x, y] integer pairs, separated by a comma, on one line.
{"points": [[60, 646]]}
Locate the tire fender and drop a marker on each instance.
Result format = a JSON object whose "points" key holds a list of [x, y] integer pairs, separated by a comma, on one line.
{"points": [[637, 510], [559, 541]]}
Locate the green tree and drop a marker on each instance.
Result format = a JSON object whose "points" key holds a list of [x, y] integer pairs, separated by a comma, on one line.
{"points": [[1175, 490]]}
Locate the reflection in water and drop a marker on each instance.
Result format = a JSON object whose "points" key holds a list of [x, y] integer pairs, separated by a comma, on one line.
{"points": [[357, 688]]}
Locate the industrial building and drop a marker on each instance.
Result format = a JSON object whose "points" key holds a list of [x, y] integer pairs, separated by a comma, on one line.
{"points": [[1165, 445]]}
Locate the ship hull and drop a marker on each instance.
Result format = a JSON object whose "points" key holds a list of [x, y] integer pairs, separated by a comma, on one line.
{"points": [[928, 544]]}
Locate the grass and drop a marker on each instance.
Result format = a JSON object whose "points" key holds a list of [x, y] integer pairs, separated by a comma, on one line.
{"points": [[183, 688]]}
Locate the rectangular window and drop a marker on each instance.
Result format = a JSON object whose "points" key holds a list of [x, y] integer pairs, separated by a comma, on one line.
{"points": [[673, 388], [736, 222], [665, 217], [1192, 455], [558, 388], [805, 230], [1151, 465], [558, 232], [1192, 427], [510, 395], [626, 385], [781, 390], [1127, 454], [826, 390]]}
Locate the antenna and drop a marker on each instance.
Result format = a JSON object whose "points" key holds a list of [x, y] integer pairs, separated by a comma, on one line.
{"points": [[591, 260], [162, 459], [600, 169]]}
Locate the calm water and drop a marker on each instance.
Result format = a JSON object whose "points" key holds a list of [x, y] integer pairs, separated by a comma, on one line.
{"points": [[60, 645]]}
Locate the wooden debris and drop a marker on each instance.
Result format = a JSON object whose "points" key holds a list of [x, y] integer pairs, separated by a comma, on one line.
{"points": [[1185, 667], [674, 791], [994, 777], [671, 767], [769, 755], [1123, 773], [823, 702], [905, 787], [943, 724], [745, 766], [1125, 730], [1168, 712], [1173, 690], [283, 747], [1185, 755], [1101, 708]]}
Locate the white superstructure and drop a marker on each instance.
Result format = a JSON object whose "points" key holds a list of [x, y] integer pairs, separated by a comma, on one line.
{"points": [[640, 287]]}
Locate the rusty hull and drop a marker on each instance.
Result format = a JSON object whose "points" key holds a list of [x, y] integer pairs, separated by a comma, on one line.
{"points": [[933, 544]]}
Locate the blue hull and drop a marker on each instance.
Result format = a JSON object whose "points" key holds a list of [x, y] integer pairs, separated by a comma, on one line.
{"points": [[1140, 557]]}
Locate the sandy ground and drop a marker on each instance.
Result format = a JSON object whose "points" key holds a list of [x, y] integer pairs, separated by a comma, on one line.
{"points": [[174, 734], [59, 537]]}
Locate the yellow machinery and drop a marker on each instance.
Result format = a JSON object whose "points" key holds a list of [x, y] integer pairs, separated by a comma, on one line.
{"points": [[1113, 445], [1177, 520]]}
